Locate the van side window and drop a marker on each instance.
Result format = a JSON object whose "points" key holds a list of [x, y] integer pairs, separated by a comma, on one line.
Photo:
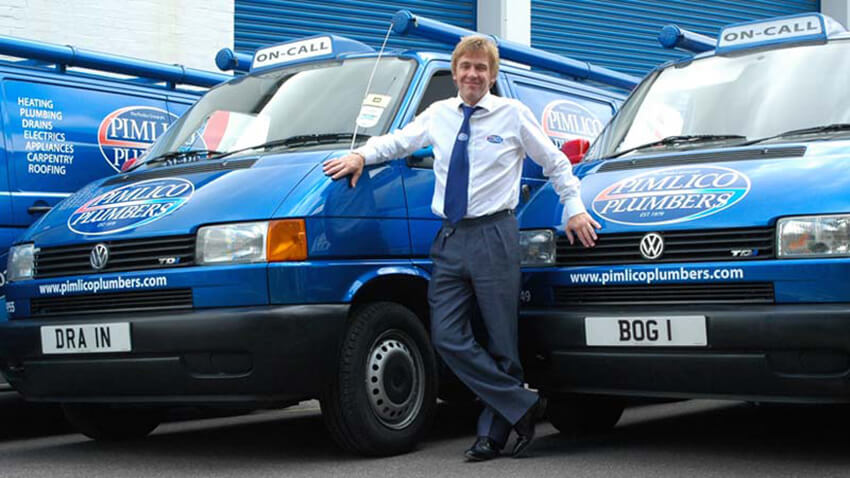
{"points": [[564, 114], [440, 87]]}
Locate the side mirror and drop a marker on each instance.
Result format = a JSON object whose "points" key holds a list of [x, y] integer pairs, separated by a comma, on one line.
{"points": [[422, 158], [575, 149]]}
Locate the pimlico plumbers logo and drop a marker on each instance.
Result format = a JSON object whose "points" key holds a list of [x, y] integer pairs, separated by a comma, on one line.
{"points": [[564, 120], [127, 132], [131, 206], [671, 195]]}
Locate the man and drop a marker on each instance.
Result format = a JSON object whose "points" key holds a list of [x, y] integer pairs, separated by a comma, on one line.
{"points": [[480, 141]]}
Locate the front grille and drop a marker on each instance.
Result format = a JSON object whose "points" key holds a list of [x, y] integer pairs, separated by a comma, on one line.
{"points": [[112, 302], [679, 246], [707, 157], [128, 255], [719, 293]]}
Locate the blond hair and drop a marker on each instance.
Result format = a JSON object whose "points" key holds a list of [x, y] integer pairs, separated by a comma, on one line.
{"points": [[475, 44]]}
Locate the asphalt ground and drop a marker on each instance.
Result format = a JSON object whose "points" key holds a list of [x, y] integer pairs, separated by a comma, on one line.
{"points": [[691, 438]]}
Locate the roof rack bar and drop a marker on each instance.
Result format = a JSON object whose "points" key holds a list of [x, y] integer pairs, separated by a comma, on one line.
{"points": [[67, 55], [405, 23], [671, 36]]}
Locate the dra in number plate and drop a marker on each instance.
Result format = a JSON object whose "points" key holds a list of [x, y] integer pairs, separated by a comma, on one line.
{"points": [[85, 338], [665, 331]]}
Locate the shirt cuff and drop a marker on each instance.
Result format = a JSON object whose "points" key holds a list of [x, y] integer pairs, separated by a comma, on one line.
{"points": [[369, 155], [572, 207]]}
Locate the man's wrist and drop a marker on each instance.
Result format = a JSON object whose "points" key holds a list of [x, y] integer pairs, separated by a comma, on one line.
{"points": [[362, 155], [572, 207]]}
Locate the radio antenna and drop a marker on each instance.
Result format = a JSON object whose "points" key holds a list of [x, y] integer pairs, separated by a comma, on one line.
{"points": [[369, 84]]}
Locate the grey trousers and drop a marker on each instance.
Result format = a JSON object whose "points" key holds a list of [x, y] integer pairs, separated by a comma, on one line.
{"points": [[478, 260]]}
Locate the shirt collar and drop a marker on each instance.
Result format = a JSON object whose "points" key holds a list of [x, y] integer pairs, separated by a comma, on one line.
{"points": [[485, 103]]}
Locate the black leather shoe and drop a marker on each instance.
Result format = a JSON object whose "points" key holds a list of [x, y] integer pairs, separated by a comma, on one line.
{"points": [[525, 429], [482, 450]]}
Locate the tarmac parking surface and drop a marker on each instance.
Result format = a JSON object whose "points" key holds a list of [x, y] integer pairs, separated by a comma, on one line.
{"points": [[691, 438]]}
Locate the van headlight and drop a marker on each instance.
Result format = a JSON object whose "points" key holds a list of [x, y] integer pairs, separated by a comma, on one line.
{"points": [[537, 247], [813, 236], [21, 262], [247, 242]]}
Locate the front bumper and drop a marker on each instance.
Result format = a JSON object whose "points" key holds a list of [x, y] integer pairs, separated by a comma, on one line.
{"points": [[793, 353], [244, 355]]}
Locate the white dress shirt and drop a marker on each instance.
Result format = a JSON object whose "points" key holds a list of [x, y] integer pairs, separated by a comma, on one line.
{"points": [[502, 132]]}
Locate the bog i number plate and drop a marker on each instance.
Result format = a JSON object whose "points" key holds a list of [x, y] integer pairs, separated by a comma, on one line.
{"points": [[663, 331], [85, 338]]}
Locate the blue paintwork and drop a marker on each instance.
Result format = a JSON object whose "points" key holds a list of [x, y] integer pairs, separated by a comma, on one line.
{"points": [[795, 280], [333, 281], [38, 99], [382, 227], [760, 192], [767, 199], [212, 286]]}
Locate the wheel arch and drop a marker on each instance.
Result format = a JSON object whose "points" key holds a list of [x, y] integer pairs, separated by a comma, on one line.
{"points": [[407, 286]]}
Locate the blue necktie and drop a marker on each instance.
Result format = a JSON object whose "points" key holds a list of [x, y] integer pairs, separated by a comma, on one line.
{"points": [[457, 182]]}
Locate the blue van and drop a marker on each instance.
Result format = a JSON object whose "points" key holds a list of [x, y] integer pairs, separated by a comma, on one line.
{"points": [[723, 263], [246, 276], [64, 127]]}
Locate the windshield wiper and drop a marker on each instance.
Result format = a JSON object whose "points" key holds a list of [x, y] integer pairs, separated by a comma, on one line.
{"points": [[683, 139], [178, 155], [298, 140], [829, 128]]}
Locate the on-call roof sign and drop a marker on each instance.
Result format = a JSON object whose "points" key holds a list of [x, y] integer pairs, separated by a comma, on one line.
{"points": [[790, 29]]}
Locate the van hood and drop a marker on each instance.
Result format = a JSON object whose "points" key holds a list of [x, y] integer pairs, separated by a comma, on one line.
{"points": [[707, 189], [174, 200], [721, 188]]}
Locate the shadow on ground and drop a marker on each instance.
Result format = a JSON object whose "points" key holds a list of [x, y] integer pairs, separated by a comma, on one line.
{"points": [[21, 419], [708, 429], [720, 429]]}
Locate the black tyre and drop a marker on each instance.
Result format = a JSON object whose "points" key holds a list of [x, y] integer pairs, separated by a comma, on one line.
{"points": [[107, 423], [580, 415], [383, 397]]}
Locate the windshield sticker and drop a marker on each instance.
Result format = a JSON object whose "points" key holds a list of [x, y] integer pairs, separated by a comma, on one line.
{"points": [[671, 195], [380, 101], [655, 121], [126, 133], [564, 120], [795, 28], [131, 206], [292, 51], [225, 131], [369, 116]]}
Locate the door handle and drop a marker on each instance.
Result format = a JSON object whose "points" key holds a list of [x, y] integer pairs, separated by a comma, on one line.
{"points": [[38, 209], [526, 192]]}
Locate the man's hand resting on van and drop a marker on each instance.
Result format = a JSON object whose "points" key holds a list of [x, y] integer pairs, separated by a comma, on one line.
{"points": [[583, 226], [341, 167]]}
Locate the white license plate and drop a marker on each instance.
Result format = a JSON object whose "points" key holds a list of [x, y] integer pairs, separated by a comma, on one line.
{"points": [[85, 338], [664, 331]]}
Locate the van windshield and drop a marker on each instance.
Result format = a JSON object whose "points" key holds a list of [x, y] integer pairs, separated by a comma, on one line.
{"points": [[733, 99], [316, 100]]}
